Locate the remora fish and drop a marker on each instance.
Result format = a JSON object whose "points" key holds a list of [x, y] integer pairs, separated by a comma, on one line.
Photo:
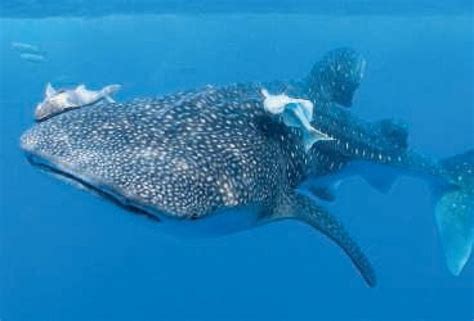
{"points": [[294, 112], [214, 153], [58, 101]]}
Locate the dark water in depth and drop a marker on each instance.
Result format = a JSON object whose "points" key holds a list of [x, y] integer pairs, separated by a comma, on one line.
{"points": [[65, 254]]}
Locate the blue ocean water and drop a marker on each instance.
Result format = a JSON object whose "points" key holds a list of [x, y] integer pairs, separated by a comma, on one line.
{"points": [[67, 255]]}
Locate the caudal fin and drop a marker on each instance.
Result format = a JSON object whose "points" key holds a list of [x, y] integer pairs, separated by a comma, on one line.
{"points": [[455, 211]]}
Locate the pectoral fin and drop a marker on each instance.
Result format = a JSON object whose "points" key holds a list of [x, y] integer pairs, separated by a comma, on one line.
{"points": [[295, 206], [109, 99]]}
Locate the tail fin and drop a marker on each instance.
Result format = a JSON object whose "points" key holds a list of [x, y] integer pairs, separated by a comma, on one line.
{"points": [[455, 211], [336, 77]]}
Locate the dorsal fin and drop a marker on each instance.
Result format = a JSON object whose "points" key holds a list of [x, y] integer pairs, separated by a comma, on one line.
{"points": [[336, 77], [49, 91], [265, 93], [81, 88]]}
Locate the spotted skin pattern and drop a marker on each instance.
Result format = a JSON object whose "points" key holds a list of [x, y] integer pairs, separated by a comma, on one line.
{"points": [[184, 155]]}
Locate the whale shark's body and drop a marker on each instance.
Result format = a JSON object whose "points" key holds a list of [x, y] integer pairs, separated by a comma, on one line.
{"points": [[214, 153]]}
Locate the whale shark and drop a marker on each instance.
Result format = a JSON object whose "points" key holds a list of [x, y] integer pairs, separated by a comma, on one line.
{"points": [[213, 158]]}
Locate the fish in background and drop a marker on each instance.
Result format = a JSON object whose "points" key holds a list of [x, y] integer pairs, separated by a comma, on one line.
{"points": [[25, 47], [34, 58], [29, 52]]}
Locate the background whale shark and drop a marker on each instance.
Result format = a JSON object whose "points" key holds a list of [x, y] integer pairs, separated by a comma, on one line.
{"points": [[213, 151]]}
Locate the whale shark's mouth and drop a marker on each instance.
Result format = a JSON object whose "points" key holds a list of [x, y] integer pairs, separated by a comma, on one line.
{"points": [[50, 168], [220, 223]]}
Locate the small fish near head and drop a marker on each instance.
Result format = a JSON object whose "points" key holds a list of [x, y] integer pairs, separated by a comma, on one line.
{"points": [[58, 101]]}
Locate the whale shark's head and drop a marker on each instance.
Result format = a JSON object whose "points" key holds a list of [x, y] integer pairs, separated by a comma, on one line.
{"points": [[96, 155], [89, 149], [181, 156], [54, 148]]}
